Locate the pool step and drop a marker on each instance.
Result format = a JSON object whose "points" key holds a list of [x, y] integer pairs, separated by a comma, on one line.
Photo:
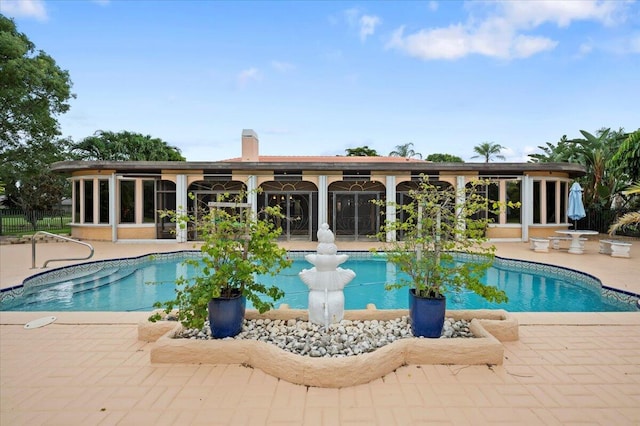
{"points": [[95, 284], [69, 288], [79, 277]]}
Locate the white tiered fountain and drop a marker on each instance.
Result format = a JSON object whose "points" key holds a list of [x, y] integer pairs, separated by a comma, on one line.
{"points": [[326, 280]]}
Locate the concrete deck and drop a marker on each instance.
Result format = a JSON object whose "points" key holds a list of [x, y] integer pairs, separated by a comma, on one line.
{"points": [[89, 368]]}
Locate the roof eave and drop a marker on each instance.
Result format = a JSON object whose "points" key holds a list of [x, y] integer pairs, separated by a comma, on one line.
{"points": [[574, 170]]}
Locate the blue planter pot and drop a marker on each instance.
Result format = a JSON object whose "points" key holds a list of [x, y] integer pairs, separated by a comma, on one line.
{"points": [[426, 315], [226, 316]]}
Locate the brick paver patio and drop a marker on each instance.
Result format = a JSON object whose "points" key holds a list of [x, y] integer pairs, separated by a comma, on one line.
{"points": [[90, 369]]}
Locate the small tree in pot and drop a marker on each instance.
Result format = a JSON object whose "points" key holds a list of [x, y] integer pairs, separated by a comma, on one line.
{"points": [[237, 245], [441, 248]]}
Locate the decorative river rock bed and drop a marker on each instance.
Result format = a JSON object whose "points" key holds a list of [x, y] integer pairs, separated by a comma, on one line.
{"points": [[488, 327], [346, 338]]}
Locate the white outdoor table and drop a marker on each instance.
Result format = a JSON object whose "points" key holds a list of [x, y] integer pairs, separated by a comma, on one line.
{"points": [[575, 235]]}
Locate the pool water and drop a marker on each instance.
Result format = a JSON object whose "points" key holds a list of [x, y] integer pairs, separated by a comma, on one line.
{"points": [[135, 286]]}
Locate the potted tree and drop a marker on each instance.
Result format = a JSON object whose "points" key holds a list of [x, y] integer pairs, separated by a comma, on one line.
{"points": [[237, 245], [440, 248]]}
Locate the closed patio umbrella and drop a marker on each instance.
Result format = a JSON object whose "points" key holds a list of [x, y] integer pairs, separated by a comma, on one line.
{"points": [[575, 209]]}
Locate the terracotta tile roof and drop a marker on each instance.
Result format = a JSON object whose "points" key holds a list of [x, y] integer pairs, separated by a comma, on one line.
{"points": [[328, 159]]}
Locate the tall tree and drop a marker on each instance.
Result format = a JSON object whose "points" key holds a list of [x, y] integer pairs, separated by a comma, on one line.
{"points": [[627, 157], [31, 185], [595, 152], [444, 158], [562, 151], [34, 91], [125, 146], [488, 150], [362, 151], [405, 150], [608, 157]]}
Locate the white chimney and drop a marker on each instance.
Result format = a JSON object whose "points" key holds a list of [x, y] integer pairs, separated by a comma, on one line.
{"points": [[249, 145]]}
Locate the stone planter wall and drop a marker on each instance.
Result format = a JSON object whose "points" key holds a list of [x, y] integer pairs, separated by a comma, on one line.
{"points": [[490, 328]]}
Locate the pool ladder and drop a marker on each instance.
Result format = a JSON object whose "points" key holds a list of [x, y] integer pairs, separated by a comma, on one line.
{"points": [[71, 240]]}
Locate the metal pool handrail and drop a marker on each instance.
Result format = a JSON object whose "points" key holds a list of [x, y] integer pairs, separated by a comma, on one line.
{"points": [[33, 249]]}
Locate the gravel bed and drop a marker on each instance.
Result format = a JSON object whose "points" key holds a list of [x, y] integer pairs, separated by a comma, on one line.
{"points": [[346, 338]]}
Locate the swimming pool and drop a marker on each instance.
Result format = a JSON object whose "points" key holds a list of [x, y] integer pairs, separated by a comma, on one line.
{"points": [[122, 285]]}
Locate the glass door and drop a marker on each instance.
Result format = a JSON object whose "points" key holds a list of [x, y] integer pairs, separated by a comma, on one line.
{"points": [[344, 214], [296, 208], [354, 214], [368, 216], [201, 206], [298, 216]]}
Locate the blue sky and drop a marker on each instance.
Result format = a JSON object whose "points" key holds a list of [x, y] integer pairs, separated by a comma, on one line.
{"points": [[316, 78]]}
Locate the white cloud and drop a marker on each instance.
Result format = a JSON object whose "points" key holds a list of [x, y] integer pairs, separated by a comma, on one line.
{"points": [[456, 41], [365, 24], [352, 15], [525, 46], [368, 26], [562, 13], [505, 31], [248, 75], [585, 48], [518, 155], [441, 43], [628, 44], [24, 9], [282, 66]]}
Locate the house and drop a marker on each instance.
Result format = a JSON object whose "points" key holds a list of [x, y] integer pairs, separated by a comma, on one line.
{"points": [[115, 200]]}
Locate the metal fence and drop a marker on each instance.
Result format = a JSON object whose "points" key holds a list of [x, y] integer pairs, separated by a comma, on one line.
{"points": [[601, 219], [18, 221]]}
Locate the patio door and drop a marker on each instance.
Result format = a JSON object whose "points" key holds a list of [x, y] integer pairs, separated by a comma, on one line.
{"points": [[201, 206], [297, 209], [354, 216]]}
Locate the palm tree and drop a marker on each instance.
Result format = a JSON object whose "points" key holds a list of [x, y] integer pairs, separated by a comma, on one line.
{"points": [[595, 152], [563, 151], [631, 219], [487, 150], [405, 150]]}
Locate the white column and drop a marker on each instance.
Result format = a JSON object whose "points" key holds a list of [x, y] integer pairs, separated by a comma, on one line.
{"points": [[460, 200], [113, 206], [323, 200], [252, 195], [83, 182], [139, 201], [502, 196], [543, 202], [96, 200], [526, 200], [390, 205], [558, 195], [181, 206]]}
